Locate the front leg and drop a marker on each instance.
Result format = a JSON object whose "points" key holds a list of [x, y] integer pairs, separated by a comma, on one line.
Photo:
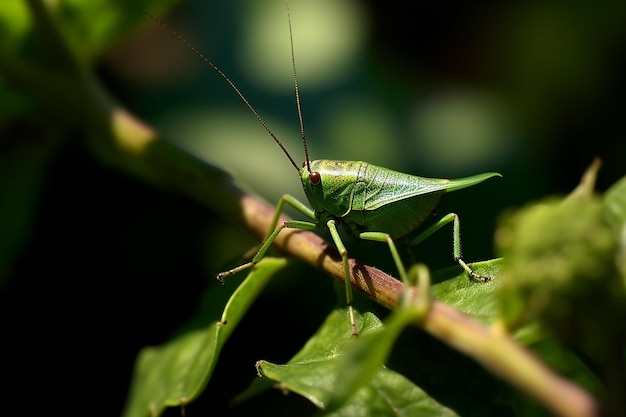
{"points": [[274, 231]]}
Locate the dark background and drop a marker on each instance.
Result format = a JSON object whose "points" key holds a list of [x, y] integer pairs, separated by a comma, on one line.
{"points": [[102, 264]]}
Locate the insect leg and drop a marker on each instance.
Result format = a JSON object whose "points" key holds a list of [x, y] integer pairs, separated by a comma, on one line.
{"points": [[332, 227], [384, 237], [293, 202], [291, 224], [456, 242]]}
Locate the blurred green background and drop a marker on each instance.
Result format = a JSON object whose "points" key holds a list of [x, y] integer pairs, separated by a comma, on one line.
{"points": [[94, 264]]}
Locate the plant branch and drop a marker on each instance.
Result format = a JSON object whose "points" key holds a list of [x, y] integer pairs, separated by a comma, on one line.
{"points": [[121, 140], [136, 148]]}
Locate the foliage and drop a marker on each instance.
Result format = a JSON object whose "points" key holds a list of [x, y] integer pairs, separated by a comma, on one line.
{"points": [[560, 254], [55, 112]]}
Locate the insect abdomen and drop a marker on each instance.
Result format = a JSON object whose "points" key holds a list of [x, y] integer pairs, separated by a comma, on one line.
{"points": [[399, 218]]}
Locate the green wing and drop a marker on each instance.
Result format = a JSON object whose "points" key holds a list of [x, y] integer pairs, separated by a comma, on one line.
{"points": [[383, 186]]}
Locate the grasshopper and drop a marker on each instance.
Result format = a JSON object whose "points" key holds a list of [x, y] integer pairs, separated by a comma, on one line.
{"points": [[374, 202]]}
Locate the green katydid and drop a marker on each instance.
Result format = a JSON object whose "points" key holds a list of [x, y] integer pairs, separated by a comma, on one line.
{"points": [[374, 202]]}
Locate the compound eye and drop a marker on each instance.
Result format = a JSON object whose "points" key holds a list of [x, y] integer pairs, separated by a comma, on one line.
{"points": [[315, 178]]}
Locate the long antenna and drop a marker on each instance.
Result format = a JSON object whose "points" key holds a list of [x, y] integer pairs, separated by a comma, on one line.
{"points": [[234, 87], [297, 90]]}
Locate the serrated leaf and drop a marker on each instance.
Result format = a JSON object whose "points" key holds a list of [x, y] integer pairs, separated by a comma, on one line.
{"points": [[175, 373]]}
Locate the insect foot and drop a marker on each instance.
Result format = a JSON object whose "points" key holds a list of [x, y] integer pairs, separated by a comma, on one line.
{"points": [[481, 278], [472, 274], [258, 365], [220, 277]]}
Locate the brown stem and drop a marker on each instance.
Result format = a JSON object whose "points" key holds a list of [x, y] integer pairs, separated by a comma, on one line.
{"points": [[137, 147], [123, 141]]}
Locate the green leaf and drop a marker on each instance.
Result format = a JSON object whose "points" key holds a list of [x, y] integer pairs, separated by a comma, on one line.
{"points": [[310, 371], [95, 24], [14, 22], [615, 204], [90, 26], [481, 300], [35, 36], [391, 394], [319, 367], [615, 212], [175, 373], [478, 299], [363, 360]]}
